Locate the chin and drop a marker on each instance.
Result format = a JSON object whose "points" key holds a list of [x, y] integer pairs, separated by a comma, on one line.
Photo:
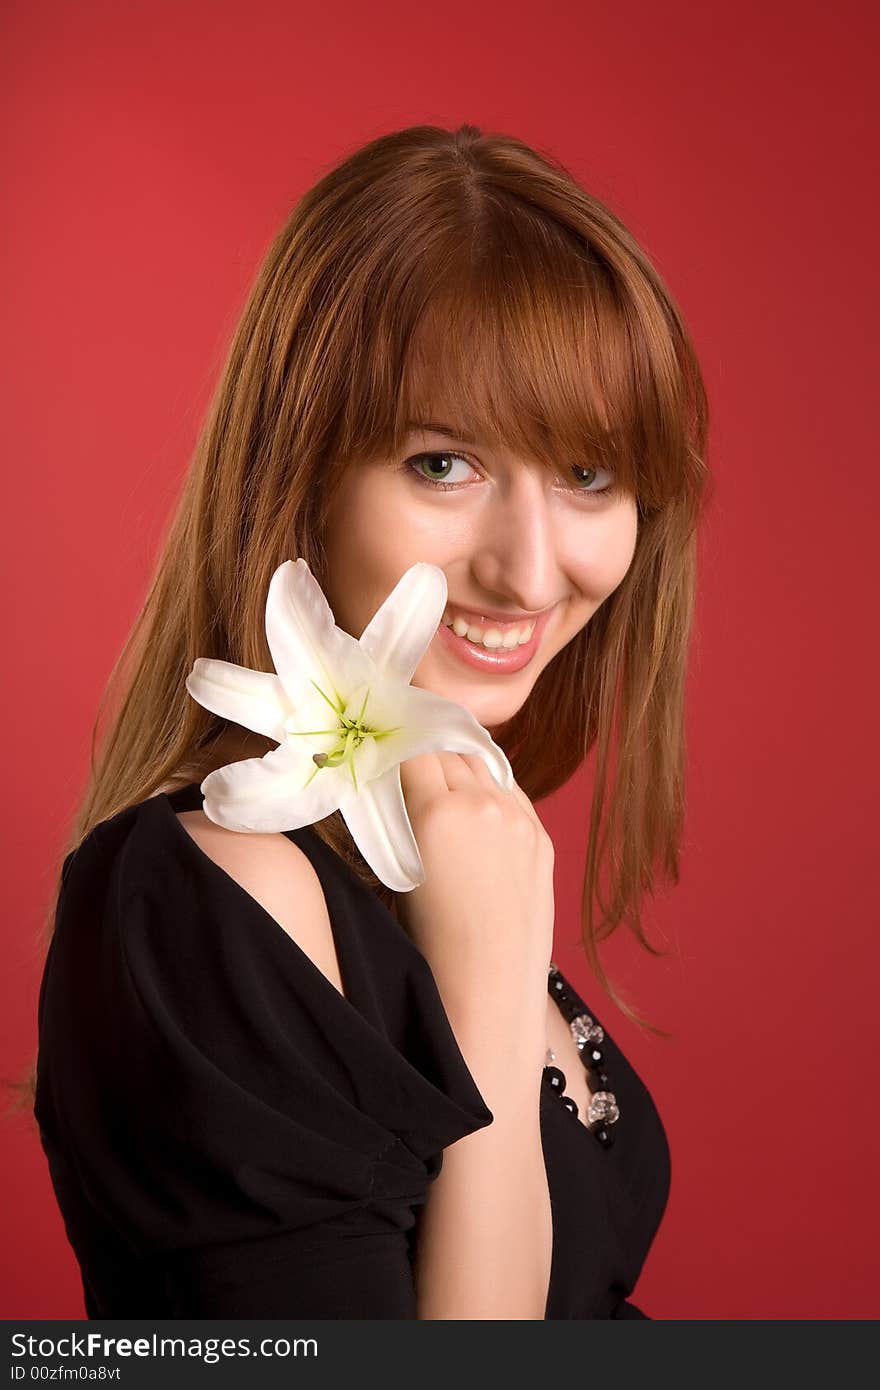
{"points": [[491, 708], [490, 713]]}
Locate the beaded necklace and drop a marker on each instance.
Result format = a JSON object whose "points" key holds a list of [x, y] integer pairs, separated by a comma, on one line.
{"points": [[603, 1110]]}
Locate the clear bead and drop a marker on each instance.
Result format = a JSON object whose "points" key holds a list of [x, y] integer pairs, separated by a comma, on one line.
{"points": [[584, 1031], [603, 1106]]}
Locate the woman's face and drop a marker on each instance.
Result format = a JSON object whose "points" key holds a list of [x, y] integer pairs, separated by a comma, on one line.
{"points": [[515, 541]]}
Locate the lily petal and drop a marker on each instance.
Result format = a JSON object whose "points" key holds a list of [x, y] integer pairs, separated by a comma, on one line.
{"points": [[254, 699], [305, 643], [431, 724], [399, 633], [268, 794], [379, 824]]}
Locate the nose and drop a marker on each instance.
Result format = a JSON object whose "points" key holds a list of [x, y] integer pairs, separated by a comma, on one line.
{"points": [[515, 560]]}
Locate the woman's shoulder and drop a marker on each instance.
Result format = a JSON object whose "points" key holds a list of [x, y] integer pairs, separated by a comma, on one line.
{"points": [[274, 871], [164, 850]]}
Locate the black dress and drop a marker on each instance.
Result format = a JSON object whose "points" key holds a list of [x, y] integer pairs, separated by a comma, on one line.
{"points": [[229, 1136]]}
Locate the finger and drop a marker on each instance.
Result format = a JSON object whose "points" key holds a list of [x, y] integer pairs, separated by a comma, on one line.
{"points": [[525, 803], [421, 779], [530, 810], [480, 771], [457, 771]]}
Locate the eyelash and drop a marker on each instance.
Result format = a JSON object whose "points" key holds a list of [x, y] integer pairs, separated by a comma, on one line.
{"points": [[439, 485]]}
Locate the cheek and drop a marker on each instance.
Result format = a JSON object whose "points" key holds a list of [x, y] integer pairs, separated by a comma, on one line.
{"points": [[372, 537], [600, 562]]}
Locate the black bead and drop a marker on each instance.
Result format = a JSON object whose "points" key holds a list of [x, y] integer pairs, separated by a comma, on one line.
{"points": [[555, 1078], [603, 1133], [593, 1057], [570, 1104], [598, 1080]]}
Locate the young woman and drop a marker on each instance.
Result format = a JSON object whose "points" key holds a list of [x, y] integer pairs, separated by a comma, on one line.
{"points": [[267, 1085]]}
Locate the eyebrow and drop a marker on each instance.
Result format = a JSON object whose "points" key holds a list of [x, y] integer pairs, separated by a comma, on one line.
{"points": [[432, 427]]}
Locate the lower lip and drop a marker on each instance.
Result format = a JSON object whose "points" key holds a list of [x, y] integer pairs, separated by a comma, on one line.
{"points": [[500, 662]]}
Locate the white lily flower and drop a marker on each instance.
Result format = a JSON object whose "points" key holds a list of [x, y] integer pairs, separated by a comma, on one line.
{"points": [[344, 716]]}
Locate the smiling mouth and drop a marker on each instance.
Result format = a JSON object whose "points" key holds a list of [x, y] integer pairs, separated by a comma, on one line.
{"points": [[493, 650], [490, 633]]}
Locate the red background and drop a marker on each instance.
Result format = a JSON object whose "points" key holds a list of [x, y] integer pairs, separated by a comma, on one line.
{"points": [[155, 148]]}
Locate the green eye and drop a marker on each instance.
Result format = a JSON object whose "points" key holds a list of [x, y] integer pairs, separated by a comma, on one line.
{"points": [[579, 471], [436, 475]]}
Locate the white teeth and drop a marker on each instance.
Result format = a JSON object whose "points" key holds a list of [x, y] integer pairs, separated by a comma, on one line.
{"points": [[492, 638]]}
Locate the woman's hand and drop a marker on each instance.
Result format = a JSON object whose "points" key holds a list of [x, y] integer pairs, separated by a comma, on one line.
{"points": [[484, 915]]}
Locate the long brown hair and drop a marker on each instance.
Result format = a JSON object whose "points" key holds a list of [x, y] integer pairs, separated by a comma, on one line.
{"points": [[458, 266]]}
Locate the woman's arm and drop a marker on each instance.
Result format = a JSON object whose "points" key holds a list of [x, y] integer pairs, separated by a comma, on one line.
{"points": [[483, 918], [485, 1241]]}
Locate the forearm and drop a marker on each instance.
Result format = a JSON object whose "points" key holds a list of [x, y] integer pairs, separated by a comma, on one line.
{"points": [[486, 1235]]}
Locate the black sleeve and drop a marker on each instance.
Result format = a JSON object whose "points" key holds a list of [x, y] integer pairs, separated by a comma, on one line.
{"points": [[231, 1116], [327, 1272]]}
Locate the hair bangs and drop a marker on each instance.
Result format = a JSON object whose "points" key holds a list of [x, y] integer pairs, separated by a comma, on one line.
{"points": [[528, 351]]}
